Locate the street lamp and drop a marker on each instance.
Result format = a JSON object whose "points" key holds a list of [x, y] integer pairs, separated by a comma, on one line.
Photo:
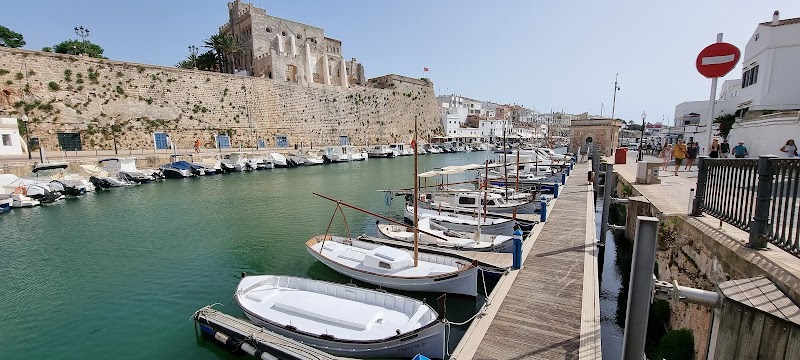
{"points": [[83, 33], [193, 52], [27, 136], [641, 140], [614, 107]]}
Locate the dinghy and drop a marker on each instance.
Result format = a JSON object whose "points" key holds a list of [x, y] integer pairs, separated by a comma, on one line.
{"points": [[394, 267], [437, 235], [342, 320]]}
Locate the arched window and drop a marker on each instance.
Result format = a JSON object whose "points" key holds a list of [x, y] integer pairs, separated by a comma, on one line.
{"points": [[283, 33], [269, 30]]}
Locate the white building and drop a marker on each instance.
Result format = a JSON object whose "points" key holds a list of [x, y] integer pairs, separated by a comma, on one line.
{"points": [[770, 70], [10, 141]]}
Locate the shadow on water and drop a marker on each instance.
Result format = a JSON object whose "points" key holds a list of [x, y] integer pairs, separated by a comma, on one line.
{"points": [[615, 263]]}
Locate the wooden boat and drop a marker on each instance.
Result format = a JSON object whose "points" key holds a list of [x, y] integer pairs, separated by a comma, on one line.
{"points": [[436, 235], [463, 222], [394, 268], [342, 320], [473, 202]]}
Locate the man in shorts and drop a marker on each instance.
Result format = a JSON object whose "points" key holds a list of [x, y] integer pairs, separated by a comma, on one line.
{"points": [[679, 153]]}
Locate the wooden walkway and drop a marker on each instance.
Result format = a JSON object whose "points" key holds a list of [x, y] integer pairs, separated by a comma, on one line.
{"points": [[278, 345], [490, 259], [550, 308]]}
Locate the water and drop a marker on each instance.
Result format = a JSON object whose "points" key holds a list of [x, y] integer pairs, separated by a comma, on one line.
{"points": [[118, 274], [615, 272]]}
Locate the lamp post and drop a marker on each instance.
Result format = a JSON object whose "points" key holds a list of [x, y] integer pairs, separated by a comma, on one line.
{"points": [[193, 52], [83, 33], [114, 135], [27, 136], [641, 140], [613, 108]]}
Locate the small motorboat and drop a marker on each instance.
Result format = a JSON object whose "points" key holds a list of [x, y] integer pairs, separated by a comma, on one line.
{"points": [[210, 163], [343, 320], [234, 162], [178, 170], [401, 149], [17, 200], [125, 169], [381, 151], [280, 161], [5, 203]]}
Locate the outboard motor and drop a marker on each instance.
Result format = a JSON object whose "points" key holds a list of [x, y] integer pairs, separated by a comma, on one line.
{"points": [[99, 183], [326, 160], [43, 195], [157, 175], [64, 189]]}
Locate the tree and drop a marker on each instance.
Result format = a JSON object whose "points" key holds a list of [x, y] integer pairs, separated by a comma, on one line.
{"points": [[10, 38], [206, 61], [77, 47], [226, 47], [47, 49]]}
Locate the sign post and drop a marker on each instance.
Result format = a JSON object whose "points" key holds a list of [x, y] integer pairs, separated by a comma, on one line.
{"points": [[715, 61]]}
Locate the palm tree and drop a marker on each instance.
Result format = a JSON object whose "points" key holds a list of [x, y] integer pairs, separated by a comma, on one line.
{"points": [[214, 43], [226, 47]]}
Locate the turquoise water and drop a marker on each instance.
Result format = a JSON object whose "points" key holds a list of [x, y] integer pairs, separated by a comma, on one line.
{"points": [[118, 274]]}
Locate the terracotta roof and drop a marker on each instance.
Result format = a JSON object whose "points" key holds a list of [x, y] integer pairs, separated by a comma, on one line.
{"points": [[783, 22]]}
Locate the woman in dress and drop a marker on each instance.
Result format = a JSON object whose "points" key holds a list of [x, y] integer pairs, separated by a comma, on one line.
{"points": [[714, 153], [666, 155], [789, 150]]}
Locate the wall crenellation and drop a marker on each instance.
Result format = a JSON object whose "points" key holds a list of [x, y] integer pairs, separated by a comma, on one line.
{"points": [[100, 98]]}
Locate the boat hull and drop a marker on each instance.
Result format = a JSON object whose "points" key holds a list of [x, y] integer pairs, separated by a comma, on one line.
{"points": [[463, 282], [504, 228]]}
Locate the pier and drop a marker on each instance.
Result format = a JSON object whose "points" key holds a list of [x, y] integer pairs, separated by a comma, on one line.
{"points": [[549, 309]]}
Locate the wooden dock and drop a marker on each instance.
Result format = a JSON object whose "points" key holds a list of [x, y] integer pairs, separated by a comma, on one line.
{"points": [[265, 340], [550, 308], [486, 259]]}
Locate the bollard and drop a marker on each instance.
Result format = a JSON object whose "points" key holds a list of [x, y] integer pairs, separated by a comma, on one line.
{"points": [[556, 187], [590, 177], [759, 225], [702, 178], [641, 288], [543, 209], [563, 178], [607, 187], [517, 258]]}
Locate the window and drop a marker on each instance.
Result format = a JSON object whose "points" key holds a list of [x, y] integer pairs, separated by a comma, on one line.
{"points": [[69, 141], [344, 140], [282, 141], [6, 140], [223, 141], [466, 201], [269, 30], [750, 76], [384, 265]]}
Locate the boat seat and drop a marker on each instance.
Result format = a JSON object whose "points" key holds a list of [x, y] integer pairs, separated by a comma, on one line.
{"points": [[412, 322], [259, 296], [317, 306], [353, 255]]}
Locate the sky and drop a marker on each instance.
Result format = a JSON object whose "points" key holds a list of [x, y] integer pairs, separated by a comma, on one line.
{"points": [[544, 55]]}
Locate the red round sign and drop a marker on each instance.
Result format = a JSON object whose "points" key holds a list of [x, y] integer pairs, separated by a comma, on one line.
{"points": [[717, 59]]}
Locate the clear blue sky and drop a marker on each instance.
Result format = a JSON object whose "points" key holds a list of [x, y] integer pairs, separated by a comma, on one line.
{"points": [[541, 54]]}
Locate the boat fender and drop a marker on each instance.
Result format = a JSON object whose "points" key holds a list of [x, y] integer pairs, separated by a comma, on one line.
{"points": [[244, 274], [221, 337]]}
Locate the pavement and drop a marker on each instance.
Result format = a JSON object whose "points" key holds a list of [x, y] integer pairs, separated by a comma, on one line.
{"points": [[675, 192]]}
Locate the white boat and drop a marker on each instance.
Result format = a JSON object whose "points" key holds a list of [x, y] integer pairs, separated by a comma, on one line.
{"points": [[381, 151], [306, 158], [437, 235], [279, 160], [46, 183], [5, 203], [354, 153], [210, 162], [431, 149], [394, 268], [20, 200], [463, 222], [473, 202], [401, 149], [125, 169], [258, 162], [335, 154], [342, 320], [479, 146], [235, 161]]}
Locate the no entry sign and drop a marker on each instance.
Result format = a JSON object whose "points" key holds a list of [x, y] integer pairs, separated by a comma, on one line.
{"points": [[717, 59]]}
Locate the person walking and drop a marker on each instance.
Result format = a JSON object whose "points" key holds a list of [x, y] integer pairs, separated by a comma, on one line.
{"points": [[714, 153], [197, 146], [691, 155], [789, 150], [725, 148], [666, 155], [679, 153], [740, 151]]}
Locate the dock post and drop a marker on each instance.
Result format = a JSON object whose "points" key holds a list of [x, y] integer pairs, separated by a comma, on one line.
{"points": [[595, 169], [516, 263], [641, 288], [760, 222], [607, 188], [563, 178], [543, 209], [556, 187], [702, 178]]}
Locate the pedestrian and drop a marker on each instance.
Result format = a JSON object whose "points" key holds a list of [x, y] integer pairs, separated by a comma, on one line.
{"points": [[789, 150], [197, 146], [740, 151], [666, 155], [714, 153], [649, 148], [691, 155], [679, 153], [725, 148]]}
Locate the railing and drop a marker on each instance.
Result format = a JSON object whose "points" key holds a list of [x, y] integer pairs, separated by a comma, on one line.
{"points": [[756, 195]]}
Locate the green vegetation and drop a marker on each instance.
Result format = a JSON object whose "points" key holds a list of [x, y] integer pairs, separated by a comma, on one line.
{"points": [[725, 124], [675, 345], [68, 75], [10, 38], [19, 76], [120, 90], [31, 72], [3, 72], [140, 68], [47, 49], [77, 47], [120, 74], [53, 86], [9, 82]]}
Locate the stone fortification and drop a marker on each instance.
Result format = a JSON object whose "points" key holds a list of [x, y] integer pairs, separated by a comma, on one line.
{"points": [[78, 95]]}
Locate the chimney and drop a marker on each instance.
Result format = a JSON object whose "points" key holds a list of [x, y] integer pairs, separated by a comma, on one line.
{"points": [[776, 18]]}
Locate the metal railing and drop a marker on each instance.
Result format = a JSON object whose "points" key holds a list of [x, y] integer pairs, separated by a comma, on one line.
{"points": [[756, 195]]}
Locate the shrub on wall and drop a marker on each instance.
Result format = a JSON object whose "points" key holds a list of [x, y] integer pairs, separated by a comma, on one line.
{"points": [[53, 86]]}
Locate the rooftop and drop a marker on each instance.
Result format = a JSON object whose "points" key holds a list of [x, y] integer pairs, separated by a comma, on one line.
{"points": [[783, 22]]}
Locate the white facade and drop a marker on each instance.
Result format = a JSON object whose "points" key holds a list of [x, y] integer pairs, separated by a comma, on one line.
{"points": [[770, 72], [10, 141], [766, 134]]}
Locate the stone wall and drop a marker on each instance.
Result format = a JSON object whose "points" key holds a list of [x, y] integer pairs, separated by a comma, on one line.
{"points": [[64, 93]]}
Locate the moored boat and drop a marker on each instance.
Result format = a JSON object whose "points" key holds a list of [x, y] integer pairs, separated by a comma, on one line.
{"points": [[463, 222], [342, 320], [437, 235], [381, 151]]}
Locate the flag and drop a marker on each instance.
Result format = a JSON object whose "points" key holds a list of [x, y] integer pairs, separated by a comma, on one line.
{"points": [[424, 69]]}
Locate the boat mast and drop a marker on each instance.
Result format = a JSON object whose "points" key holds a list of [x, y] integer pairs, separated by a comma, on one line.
{"points": [[516, 187], [416, 198], [485, 190], [505, 161]]}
